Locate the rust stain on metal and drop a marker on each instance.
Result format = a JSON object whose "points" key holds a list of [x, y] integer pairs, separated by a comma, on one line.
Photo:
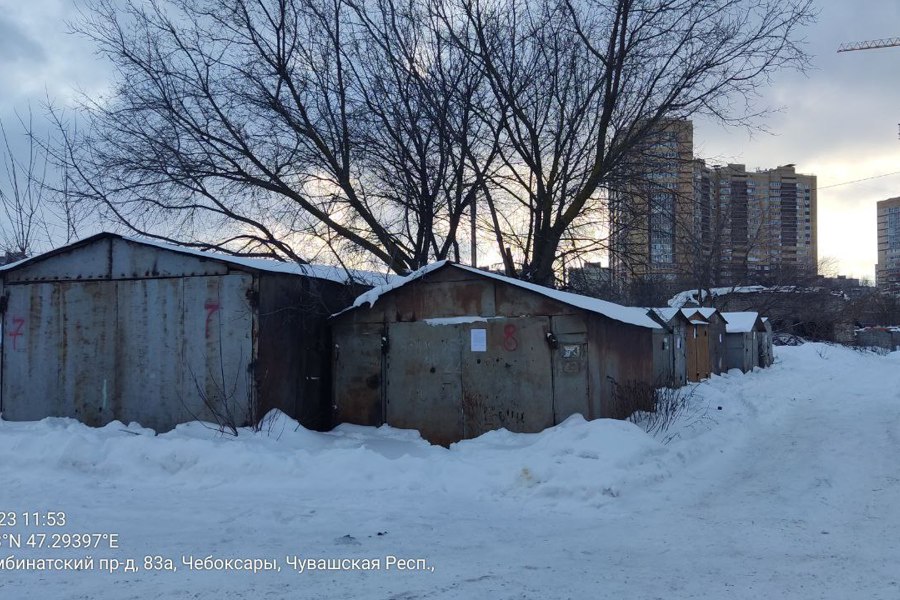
{"points": [[543, 360]]}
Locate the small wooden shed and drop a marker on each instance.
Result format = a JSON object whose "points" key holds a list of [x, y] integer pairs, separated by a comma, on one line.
{"points": [[115, 328], [678, 325], [742, 340], [697, 348], [696, 341], [454, 351], [717, 329]]}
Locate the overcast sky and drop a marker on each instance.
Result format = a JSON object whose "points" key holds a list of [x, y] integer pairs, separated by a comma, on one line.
{"points": [[839, 121]]}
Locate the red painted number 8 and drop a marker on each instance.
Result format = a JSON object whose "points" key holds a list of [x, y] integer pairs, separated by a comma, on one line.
{"points": [[510, 343]]}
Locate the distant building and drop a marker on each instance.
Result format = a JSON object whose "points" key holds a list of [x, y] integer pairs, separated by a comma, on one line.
{"points": [[676, 219], [652, 213], [851, 287], [756, 227], [887, 271], [591, 279]]}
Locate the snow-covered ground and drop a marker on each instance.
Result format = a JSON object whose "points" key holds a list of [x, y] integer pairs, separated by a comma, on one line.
{"points": [[782, 483]]}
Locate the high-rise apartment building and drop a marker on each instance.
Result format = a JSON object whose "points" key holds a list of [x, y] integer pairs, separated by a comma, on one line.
{"points": [[887, 271], [677, 219], [756, 226], [649, 212]]}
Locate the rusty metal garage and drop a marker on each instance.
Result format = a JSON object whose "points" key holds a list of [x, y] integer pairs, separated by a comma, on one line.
{"points": [[454, 351], [112, 328]]}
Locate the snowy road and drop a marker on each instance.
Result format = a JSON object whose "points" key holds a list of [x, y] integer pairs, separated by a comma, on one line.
{"points": [[792, 489], [804, 502]]}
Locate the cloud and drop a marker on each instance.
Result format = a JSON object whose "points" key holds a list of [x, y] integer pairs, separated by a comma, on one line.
{"points": [[838, 121], [16, 45]]}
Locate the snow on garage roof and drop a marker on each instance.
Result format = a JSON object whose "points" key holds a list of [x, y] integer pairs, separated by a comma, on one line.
{"points": [[624, 314], [740, 322], [668, 312], [326, 272], [706, 311]]}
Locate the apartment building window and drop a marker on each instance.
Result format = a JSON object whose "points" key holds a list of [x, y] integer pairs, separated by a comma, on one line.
{"points": [[662, 228], [893, 228]]}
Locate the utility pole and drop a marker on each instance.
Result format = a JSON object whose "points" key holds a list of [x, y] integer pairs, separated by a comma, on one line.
{"points": [[474, 242]]}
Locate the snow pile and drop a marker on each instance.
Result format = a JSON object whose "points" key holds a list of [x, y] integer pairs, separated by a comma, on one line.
{"points": [[578, 460], [781, 482], [575, 461]]}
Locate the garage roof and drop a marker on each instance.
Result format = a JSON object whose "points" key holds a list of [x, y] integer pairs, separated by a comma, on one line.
{"points": [[625, 314], [326, 272]]}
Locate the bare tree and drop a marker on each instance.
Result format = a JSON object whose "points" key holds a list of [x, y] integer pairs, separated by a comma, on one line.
{"points": [[369, 129], [579, 86], [283, 128], [37, 209], [22, 193], [426, 149], [70, 213]]}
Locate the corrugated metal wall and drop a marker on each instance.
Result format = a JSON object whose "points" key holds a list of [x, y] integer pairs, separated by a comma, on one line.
{"points": [[455, 355], [117, 330], [156, 351]]}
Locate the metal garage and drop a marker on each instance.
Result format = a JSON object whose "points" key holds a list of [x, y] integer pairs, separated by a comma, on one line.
{"points": [[454, 351], [112, 328]]}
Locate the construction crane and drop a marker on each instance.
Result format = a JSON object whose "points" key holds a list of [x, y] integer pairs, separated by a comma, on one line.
{"points": [[869, 45]]}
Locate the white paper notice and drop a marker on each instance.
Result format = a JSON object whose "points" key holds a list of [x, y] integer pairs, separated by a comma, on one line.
{"points": [[479, 340]]}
